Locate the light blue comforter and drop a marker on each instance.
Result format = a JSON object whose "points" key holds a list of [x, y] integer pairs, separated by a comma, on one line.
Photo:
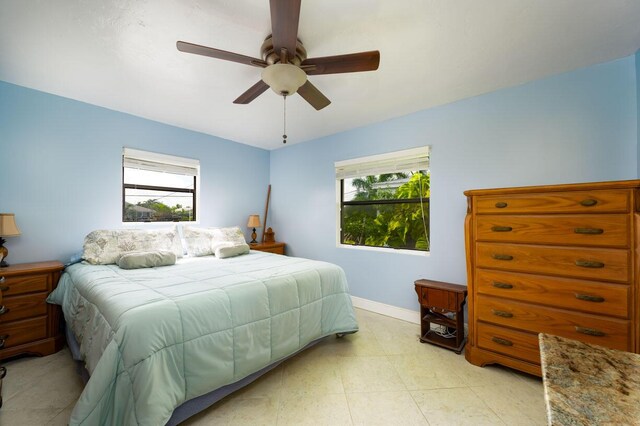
{"points": [[155, 338]]}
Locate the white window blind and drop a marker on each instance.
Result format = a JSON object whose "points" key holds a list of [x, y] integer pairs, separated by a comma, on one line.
{"points": [[155, 162], [395, 162]]}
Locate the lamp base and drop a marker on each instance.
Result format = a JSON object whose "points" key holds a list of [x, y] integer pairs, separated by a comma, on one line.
{"points": [[253, 237], [3, 254]]}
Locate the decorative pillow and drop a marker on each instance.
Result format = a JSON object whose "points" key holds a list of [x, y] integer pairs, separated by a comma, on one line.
{"points": [[146, 259], [104, 247], [233, 234], [198, 240], [230, 249]]}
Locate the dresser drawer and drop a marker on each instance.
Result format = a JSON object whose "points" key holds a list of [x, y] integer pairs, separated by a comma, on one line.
{"points": [[600, 264], [599, 330], [24, 331], [24, 284], [605, 230], [608, 201], [25, 306], [518, 344], [586, 296]]}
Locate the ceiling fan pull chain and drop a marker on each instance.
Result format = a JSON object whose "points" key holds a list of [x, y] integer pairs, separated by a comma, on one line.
{"points": [[284, 131]]}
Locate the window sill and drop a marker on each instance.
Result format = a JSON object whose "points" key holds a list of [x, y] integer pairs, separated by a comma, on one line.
{"points": [[386, 250], [152, 224]]}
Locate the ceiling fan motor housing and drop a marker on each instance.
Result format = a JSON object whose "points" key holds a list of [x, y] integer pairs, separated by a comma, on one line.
{"points": [[271, 57]]}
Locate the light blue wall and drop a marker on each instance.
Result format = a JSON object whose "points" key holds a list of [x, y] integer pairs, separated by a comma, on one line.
{"points": [[60, 170], [575, 127]]}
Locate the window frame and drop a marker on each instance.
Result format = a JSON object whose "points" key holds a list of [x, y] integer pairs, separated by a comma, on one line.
{"points": [[170, 161], [340, 201]]}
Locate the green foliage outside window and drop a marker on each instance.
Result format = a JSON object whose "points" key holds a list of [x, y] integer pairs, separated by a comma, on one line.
{"points": [[388, 210]]}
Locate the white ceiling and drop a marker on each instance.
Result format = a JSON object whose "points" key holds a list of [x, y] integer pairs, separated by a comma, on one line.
{"points": [[121, 54]]}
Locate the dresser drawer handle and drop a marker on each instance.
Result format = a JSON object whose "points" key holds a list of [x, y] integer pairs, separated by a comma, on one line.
{"points": [[589, 264], [503, 342], [1, 280], [501, 205], [502, 256], [3, 310], [589, 202], [498, 284], [4, 288], [2, 340], [503, 314], [501, 228], [589, 298], [589, 231], [590, 331], [3, 372]]}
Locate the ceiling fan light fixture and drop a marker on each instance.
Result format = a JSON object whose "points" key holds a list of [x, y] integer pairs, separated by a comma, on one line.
{"points": [[284, 79]]}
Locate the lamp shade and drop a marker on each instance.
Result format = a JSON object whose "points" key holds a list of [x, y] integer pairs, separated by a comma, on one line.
{"points": [[254, 221], [284, 79], [8, 227]]}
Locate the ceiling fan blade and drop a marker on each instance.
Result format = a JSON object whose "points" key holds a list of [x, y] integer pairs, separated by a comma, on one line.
{"points": [[196, 49], [285, 15], [312, 95], [253, 92], [353, 62]]}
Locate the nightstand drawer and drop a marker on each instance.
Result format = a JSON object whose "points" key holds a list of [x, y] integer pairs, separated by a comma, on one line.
{"points": [[19, 332], [26, 306], [24, 284]]}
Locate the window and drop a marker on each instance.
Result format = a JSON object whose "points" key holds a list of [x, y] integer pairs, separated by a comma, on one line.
{"points": [[384, 200], [158, 187]]}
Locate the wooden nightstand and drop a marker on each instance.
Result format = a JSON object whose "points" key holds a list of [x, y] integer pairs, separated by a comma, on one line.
{"points": [[275, 247], [29, 325], [443, 304]]}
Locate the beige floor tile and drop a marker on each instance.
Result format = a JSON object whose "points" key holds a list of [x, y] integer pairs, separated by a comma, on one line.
{"points": [[23, 373], [30, 417], [490, 375], [428, 371], [62, 418], [312, 374], [56, 389], [458, 406], [267, 386], [369, 374], [362, 343], [237, 411], [516, 403], [384, 409], [317, 410]]}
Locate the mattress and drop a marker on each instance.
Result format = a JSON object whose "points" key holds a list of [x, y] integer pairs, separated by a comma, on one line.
{"points": [[152, 339]]}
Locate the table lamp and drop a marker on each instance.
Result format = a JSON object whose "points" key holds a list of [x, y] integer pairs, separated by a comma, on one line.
{"points": [[254, 222], [8, 228]]}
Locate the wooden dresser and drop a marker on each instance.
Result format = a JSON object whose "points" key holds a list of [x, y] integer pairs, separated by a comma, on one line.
{"points": [[273, 247], [29, 324], [560, 260]]}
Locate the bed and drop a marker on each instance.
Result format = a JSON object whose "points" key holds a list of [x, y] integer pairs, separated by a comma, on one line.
{"points": [[170, 340]]}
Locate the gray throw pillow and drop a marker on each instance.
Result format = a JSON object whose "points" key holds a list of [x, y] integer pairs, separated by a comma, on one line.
{"points": [[146, 259]]}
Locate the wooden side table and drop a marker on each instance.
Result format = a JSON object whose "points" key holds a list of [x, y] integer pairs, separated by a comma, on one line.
{"points": [[275, 247], [28, 324], [442, 303]]}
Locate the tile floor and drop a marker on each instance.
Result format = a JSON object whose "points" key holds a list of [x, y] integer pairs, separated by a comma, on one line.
{"points": [[381, 375]]}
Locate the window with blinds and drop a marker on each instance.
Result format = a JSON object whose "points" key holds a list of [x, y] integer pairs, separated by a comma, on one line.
{"points": [[158, 187], [384, 200]]}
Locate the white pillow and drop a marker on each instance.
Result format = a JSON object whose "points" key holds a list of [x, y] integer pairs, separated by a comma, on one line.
{"points": [[230, 249], [104, 247], [232, 234], [198, 240]]}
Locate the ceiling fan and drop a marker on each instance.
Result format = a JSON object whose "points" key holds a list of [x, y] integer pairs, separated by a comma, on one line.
{"points": [[285, 61]]}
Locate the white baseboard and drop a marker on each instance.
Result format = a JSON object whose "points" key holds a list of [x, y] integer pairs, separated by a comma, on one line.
{"points": [[388, 310]]}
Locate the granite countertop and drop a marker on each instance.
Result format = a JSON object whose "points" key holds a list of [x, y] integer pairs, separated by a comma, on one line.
{"points": [[586, 384]]}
